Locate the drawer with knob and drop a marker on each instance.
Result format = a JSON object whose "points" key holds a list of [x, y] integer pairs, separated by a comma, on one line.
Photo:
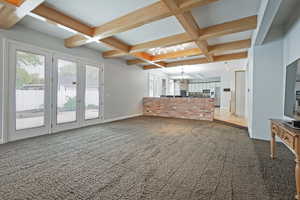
{"points": [[287, 139]]}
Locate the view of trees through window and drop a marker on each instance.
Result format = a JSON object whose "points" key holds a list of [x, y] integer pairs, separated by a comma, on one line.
{"points": [[30, 82]]}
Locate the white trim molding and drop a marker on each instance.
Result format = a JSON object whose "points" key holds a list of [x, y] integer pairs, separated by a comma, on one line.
{"points": [[121, 118]]}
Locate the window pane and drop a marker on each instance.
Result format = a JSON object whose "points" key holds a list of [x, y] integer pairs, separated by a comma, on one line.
{"points": [[92, 92], [30, 90], [66, 91]]}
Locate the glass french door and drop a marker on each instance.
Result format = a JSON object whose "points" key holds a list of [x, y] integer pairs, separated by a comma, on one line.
{"points": [[76, 94], [50, 93], [92, 90], [29, 92], [66, 101]]}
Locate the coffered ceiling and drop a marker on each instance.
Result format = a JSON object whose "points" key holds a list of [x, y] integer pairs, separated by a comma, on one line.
{"points": [[220, 30]]}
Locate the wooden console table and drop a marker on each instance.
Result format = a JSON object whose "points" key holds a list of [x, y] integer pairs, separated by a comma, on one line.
{"points": [[291, 138]]}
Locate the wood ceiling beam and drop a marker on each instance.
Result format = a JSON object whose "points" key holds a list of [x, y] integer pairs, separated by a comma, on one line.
{"points": [[135, 62], [60, 18], [226, 57], [132, 20], [13, 11], [235, 26], [143, 55], [244, 24], [172, 55], [219, 48], [178, 54], [190, 25], [167, 41], [113, 54], [233, 56], [147, 58], [220, 58], [185, 5], [116, 44], [13, 2], [125, 48], [142, 16], [154, 66], [75, 41]]}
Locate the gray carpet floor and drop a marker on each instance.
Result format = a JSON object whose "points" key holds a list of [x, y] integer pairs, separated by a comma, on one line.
{"points": [[146, 158]]}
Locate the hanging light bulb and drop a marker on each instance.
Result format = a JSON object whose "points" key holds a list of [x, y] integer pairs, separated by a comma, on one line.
{"points": [[182, 73], [227, 66]]}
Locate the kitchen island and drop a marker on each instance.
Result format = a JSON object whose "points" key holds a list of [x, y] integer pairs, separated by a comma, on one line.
{"points": [[180, 107]]}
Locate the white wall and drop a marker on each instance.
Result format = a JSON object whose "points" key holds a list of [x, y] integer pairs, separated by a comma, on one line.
{"points": [[267, 87], [1, 89], [250, 90], [267, 71], [124, 86]]}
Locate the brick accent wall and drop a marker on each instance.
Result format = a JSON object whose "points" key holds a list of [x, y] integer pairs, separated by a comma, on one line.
{"points": [[186, 108]]}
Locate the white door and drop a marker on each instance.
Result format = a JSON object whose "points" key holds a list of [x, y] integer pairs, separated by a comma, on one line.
{"points": [[66, 87], [29, 92], [240, 93]]}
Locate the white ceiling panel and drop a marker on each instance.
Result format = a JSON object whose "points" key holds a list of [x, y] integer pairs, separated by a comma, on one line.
{"points": [[184, 58], [44, 27], [98, 47], [97, 12], [128, 57], [153, 31], [56, 31], [224, 11], [232, 51]]}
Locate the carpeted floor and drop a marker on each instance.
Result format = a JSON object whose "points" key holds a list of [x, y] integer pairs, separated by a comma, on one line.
{"points": [[146, 158]]}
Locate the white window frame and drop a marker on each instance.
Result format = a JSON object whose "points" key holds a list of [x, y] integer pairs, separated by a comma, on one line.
{"points": [[14, 134], [2, 42], [80, 119], [68, 125], [101, 94]]}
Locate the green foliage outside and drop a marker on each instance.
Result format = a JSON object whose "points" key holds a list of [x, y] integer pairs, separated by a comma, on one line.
{"points": [[92, 107], [70, 105], [22, 76]]}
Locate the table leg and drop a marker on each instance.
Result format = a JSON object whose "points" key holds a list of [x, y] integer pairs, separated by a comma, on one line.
{"points": [[273, 144], [297, 177]]}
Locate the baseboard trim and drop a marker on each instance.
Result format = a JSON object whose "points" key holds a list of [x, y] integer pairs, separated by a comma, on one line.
{"points": [[121, 118]]}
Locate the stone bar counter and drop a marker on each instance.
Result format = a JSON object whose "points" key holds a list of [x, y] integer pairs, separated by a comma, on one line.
{"points": [[180, 107]]}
